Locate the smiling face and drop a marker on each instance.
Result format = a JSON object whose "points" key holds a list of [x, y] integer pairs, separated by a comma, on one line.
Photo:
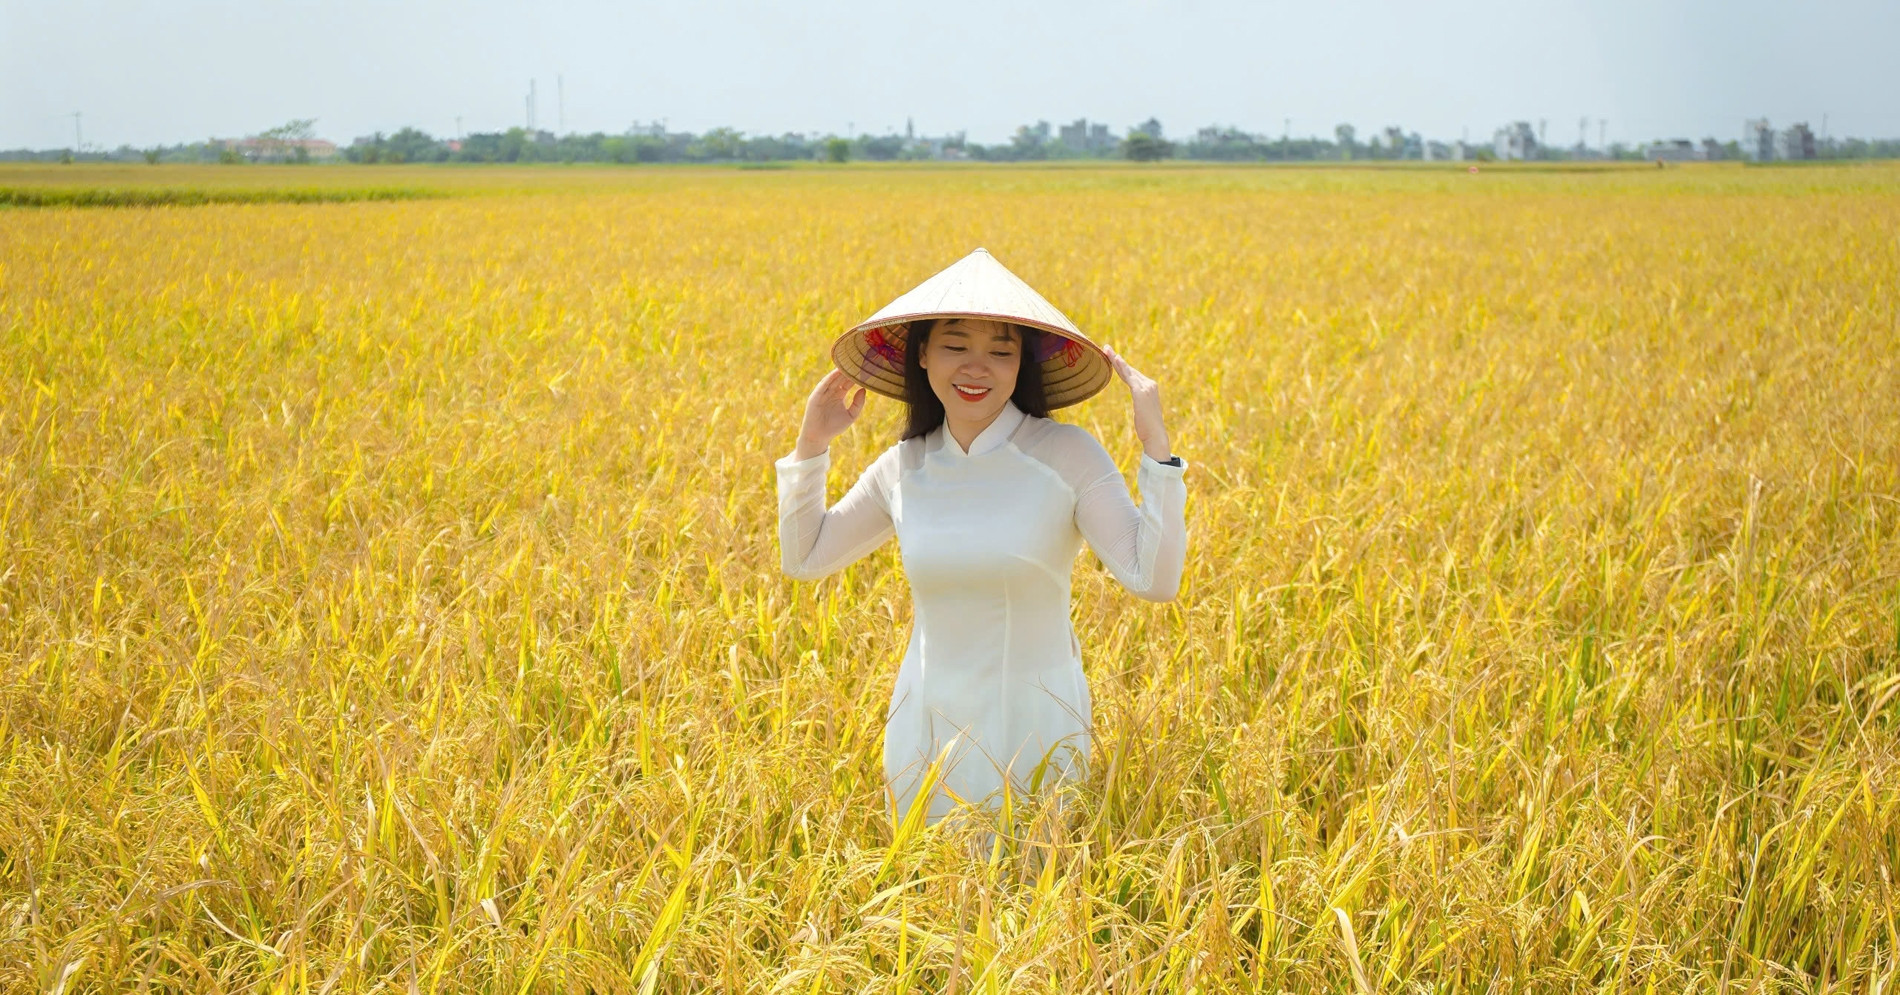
{"points": [[972, 365]]}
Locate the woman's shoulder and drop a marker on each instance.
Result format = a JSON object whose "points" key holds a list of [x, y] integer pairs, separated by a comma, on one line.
{"points": [[1039, 428], [902, 456], [1060, 442]]}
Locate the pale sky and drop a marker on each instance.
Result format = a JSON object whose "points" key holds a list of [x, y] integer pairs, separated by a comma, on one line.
{"points": [[146, 72]]}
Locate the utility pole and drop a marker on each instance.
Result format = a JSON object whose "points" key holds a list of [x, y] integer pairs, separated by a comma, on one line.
{"points": [[531, 106], [458, 127], [79, 140], [1583, 132], [560, 104]]}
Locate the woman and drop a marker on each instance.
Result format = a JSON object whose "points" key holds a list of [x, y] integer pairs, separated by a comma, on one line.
{"points": [[990, 501]]}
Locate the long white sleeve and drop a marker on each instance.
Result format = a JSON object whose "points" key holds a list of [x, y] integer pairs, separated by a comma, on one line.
{"points": [[815, 541], [1144, 546]]}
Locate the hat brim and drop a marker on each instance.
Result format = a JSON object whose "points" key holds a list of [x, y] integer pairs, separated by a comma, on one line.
{"points": [[1074, 369]]}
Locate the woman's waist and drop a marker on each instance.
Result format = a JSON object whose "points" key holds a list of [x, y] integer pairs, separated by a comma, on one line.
{"points": [[977, 655], [980, 572], [1026, 602]]}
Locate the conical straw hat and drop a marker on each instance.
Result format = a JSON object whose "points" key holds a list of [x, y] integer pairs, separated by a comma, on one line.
{"points": [[976, 286]]}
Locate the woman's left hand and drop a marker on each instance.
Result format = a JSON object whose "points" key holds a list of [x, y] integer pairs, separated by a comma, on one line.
{"points": [[1146, 394]]}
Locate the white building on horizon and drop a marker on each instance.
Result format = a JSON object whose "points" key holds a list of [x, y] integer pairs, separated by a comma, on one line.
{"points": [[1515, 141]]}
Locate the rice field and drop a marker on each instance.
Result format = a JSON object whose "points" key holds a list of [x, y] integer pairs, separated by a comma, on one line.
{"points": [[389, 595]]}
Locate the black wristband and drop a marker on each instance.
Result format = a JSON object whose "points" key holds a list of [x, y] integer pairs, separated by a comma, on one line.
{"points": [[1170, 461]]}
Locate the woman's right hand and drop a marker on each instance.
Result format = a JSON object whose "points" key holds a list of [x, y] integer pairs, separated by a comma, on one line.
{"points": [[827, 414]]}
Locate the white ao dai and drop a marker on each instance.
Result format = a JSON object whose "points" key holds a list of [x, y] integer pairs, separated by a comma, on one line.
{"points": [[988, 540]]}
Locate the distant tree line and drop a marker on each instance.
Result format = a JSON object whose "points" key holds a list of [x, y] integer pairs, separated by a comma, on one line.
{"points": [[519, 145], [655, 144], [1030, 143]]}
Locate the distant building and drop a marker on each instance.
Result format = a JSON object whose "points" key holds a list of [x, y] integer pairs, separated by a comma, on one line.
{"points": [[258, 149], [1399, 145], [1436, 151], [1797, 142], [1515, 141], [941, 147], [1712, 150], [1672, 150], [1150, 127], [1758, 140], [1082, 136]]}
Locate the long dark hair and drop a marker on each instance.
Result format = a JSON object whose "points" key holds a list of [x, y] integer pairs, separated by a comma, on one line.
{"points": [[926, 409]]}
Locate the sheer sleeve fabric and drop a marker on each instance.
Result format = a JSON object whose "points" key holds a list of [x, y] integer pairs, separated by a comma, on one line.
{"points": [[815, 541], [1145, 545]]}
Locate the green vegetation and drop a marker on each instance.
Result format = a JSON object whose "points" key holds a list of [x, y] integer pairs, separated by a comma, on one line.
{"points": [[192, 196], [1146, 148]]}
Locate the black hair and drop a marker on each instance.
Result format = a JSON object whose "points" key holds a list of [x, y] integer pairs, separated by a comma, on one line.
{"points": [[926, 409]]}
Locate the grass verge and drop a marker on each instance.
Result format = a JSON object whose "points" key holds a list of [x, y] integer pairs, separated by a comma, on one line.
{"points": [[189, 196]]}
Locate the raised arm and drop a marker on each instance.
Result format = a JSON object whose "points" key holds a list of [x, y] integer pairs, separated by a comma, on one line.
{"points": [[814, 540], [1145, 545]]}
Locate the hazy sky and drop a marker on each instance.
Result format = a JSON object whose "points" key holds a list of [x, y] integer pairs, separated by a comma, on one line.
{"points": [[145, 72]]}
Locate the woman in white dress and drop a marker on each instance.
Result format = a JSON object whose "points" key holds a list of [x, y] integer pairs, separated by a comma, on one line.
{"points": [[990, 501]]}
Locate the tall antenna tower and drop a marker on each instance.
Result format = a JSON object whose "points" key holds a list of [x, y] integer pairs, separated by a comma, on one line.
{"points": [[531, 105], [560, 104], [79, 139], [1583, 132]]}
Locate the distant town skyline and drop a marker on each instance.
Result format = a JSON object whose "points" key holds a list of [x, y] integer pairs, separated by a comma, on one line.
{"points": [[142, 74]]}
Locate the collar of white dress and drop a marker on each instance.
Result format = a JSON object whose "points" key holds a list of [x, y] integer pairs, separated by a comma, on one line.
{"points": [[990, 438]]}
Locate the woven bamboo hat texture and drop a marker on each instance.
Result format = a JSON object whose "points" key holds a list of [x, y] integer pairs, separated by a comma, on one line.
{"points": [[976, 286]]}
